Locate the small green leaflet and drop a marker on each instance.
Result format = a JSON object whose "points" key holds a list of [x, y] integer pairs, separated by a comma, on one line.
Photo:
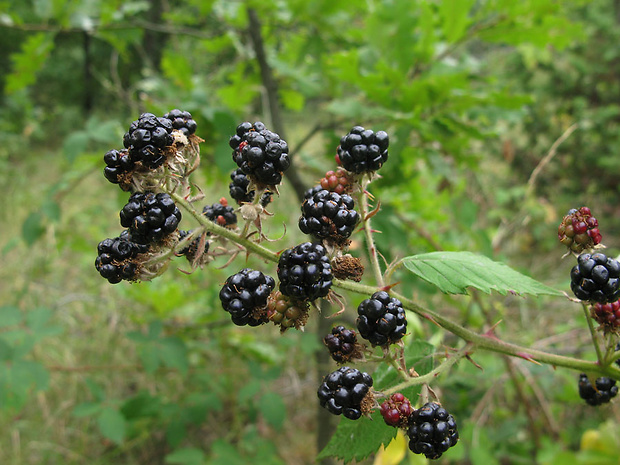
{"points": [[454, 272]]}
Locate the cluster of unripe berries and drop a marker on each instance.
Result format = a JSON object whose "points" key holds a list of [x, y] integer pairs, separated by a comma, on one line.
{"points": [[579, 230]]}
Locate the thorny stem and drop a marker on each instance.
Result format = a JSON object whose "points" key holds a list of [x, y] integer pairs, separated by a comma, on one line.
{"points": [[428, 377], [370, 243], [597, 347], [488, 341], [214, 228]]}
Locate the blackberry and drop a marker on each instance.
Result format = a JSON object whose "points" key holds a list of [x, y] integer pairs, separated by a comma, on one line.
{"points": [[336, 181], [116, 259], [603, 391], [579, 230], [119, 166], [147, 138], [381, 319], [287, 312], [304, 272], [244, 296], [238, 189], [260, 153], [221, 213], [432, 431], [345, 391], [182, 121], [328, 215], [595, 278], [362, 150], [190, 251], [150, 217], [396, 410], [342, 344], [607, 315]]}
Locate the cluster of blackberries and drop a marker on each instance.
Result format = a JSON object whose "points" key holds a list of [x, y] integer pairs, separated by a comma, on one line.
{"points": [[342, 344], [343, 392], [287, 312], [607, 315], [119, 166], [244, 296], [150, 217], [115, 259], [221, 213], [396, 410], [381, 319], [260, 153], [603, 391], [596, 278], [363, 150], [432, 431], [239, 189], [182, 121], [328, 215], [147, 138], [579, 230], [304, 272]]}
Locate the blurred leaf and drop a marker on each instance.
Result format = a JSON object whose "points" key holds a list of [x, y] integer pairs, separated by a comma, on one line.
{"points": [[454, 272], [51, 209], [28, 61], [186, 456], [32, 228], [86, 409], [394, 452], [112, 425], [176, 432], [75, 144], [10, 316], [173, 353], [273, 409]]}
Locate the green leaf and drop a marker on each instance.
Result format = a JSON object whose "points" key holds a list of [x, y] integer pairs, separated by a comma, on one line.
{"points": [[173, 353], [454, 272], [86, 409], [32, 228], [9, 316], [186, 456], [112, 425], [273, 409], [356, 440], [27, 63]]}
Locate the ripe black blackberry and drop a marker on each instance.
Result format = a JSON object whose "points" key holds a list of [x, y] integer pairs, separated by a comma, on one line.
{"points": [[116, 259], [342, 344], [346, 391], [260, 153], [182, 121], [244, 296], [147, 139], [432, 431], [305, 272], [602, 392], [150, 217], [238, 189], [328, 215], [119, 166], [221, 213], [381, 319], [595, 278], [363, 150]]}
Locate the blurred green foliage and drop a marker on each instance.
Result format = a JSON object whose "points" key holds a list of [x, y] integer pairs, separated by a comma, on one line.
{"points": [[473, 93]]}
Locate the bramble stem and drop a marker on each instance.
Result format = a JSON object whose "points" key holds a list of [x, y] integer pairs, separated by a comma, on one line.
{"points": [[428, 377], [215, 228], [597, 347], [370, 243], [488, 341]]}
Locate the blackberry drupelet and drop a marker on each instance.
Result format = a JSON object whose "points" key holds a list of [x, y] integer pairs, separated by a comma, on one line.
{"points": [[342, 344], [147, 138], [119, 165], [305, 272], [381, 319], [182, 121], [221, 213], [602, 392], [115, 259], [396, 410], [595, 278], [343, 392], [238, 189], [432, 431], [150, 217], [362, 150], [260, 153], [244, 296], [328, 215]]}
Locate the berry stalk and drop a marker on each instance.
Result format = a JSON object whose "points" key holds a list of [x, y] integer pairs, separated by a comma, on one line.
{"points": [[597, 347], [370, 243]]}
